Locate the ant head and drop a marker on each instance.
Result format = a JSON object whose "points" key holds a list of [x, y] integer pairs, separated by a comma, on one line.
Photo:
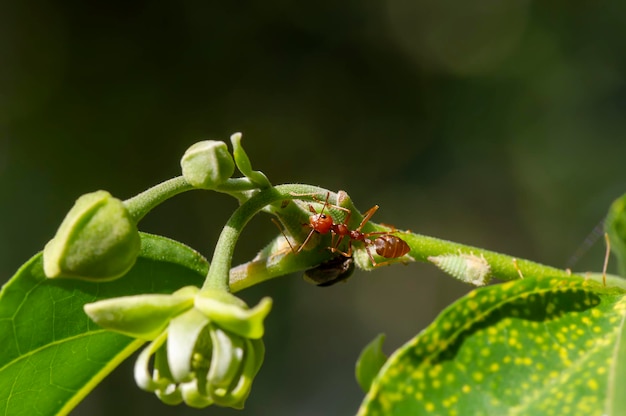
{"points": [[321, 223]]}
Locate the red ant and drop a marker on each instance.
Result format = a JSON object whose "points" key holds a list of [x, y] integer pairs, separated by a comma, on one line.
{"points": [[386, 244]]}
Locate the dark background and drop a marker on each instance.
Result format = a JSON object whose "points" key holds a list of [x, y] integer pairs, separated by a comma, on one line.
{"points": [[496, 124]]}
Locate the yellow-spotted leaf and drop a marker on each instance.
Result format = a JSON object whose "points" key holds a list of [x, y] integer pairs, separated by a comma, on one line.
{"points": [[550, 346], [52, 353]]}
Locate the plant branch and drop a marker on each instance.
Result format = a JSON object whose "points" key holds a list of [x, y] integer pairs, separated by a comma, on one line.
{"points": [[218, 276], [141, 204], [272, 263]]}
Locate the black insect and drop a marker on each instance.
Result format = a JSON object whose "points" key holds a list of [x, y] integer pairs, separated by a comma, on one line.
{"points": [[335, 270]]}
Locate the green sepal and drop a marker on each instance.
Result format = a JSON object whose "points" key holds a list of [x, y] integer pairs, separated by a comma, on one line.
{"points": [[207, 164], [231, 313], [139, 316], [243, 163], [97, 240]]}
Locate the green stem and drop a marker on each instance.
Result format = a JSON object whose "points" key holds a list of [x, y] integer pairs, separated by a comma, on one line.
{"points": [[422, 247], [218, 276], [141, 204], [274, 263], [146, 201], [502, 266]]}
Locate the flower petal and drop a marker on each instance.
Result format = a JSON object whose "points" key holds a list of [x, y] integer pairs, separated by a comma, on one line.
{"points": [[140, 316], [247, 323], [143, 378], [193, 396], [254, 354], [184, 331], [228, 353]]}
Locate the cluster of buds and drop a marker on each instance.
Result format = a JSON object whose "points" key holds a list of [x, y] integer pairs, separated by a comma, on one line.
{"points": [[209, 165], [206, 345]]}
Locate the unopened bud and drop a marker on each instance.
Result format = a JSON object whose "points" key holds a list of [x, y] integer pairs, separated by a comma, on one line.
{"points": [[207, 164], [97, 240]]}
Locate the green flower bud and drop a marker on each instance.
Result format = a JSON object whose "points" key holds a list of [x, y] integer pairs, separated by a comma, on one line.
{"points": [[207, 164], [97, 240]]}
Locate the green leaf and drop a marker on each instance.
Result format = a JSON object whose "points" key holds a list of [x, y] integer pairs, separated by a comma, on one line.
{"points": [[616, 402], [370, 362], [615, 226], [547, 346], [52, 354]]}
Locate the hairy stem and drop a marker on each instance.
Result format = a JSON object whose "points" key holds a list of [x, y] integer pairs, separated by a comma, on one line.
{"points": [[141, 204], [502, 266], [276, 261], [218, 276]]}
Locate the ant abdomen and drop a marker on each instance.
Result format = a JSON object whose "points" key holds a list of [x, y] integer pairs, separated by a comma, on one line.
{"points": [[390, 246]]}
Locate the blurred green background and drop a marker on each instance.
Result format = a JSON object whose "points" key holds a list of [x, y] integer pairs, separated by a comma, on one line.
{"points": [[496, 124]]}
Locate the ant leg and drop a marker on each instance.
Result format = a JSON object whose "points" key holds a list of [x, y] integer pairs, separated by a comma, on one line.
{"points": [[325, 202], [313, 223], [366, 217], [392, 228], [374, 233], [312, 210], [306, 240], [345, 254], [335, 246], [606, 257], [277, 224], [314, 196], [348, 212], [375, 264], [371, 256], [311, 194]]}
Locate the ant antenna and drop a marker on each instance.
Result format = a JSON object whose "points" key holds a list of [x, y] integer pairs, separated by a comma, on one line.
{"points": [[519, 271], [589, 241], [277, 224]]}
